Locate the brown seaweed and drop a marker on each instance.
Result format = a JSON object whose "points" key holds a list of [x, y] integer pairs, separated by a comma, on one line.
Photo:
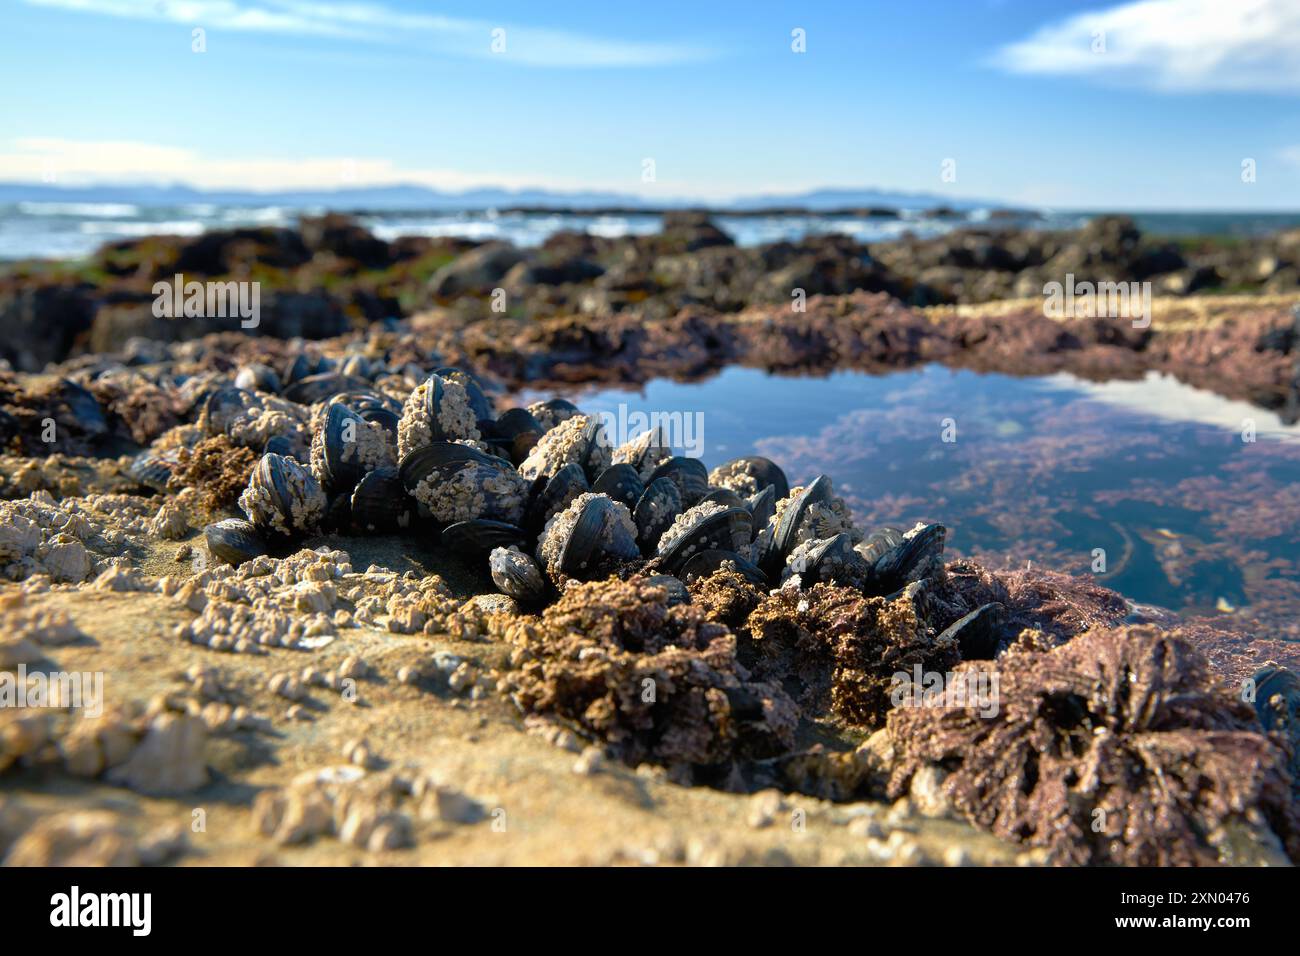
{"points": [[652, 680]]}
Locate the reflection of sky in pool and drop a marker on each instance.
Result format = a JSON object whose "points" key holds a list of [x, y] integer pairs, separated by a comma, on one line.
{"points": [[1048, 470]]}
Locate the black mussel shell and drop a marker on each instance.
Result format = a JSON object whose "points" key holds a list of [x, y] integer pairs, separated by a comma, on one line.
{"points": [[561, 408], [622, 483], [193, 393], [434, 394], [373, 408], [584, 538], [340, 475], [234, 541], [762, 505], [301, 366], [593, 441], [516, 420], [380, 502], [84, 414], [725, 530], [272, 473], [655, 511], [224, 404], [892, 569], [272, 468], [521, 445], [475, 539], [153, 469], [478, 400], [278, 445], [690, 476], [832, 561], [519, 430], [787, 529], [979, 633], [490, 434], [550, 495], [725, 496], [259, 378], [444, 457], [385, 417], [433, 390], [1277, 702], [706, 563], [1273, 681], [765, 472], [321, 387], [677, 591], [517, 574], [583, 554]]}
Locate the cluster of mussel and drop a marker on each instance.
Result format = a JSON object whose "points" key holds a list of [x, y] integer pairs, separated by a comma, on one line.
{"points": [[540, 496]]}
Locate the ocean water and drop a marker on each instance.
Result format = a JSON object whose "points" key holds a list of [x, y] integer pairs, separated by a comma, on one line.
{"points": [[1147, 484], [63, 230]]}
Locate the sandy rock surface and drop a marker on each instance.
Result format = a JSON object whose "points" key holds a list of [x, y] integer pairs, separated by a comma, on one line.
{"points": [[398, 762]]}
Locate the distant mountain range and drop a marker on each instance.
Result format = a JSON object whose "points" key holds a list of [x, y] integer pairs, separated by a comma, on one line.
{"points": [[422, 198]]}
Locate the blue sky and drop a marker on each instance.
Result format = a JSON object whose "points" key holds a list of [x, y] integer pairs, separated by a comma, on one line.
{"points": [[315, 94]]}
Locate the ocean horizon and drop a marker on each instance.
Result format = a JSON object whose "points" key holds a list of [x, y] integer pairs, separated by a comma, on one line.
{"points": [[74, 230]]}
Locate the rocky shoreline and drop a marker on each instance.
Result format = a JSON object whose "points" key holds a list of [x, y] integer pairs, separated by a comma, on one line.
{"points": [[356, 693], [687, 301], [331, 276]]}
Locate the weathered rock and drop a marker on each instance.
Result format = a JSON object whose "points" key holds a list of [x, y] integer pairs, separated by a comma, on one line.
{"points": [[475, 271], [171, 758]]}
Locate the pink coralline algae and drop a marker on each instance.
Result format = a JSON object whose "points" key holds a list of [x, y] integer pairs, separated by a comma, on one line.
{"points": [[1117, 747]]}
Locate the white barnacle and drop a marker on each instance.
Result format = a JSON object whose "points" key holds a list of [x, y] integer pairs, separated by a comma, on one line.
{"points": [[566, 443], [454, 417], [687, 522]]}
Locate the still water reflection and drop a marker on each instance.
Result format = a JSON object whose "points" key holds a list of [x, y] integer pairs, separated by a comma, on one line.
{"points": [[1150, 485]]}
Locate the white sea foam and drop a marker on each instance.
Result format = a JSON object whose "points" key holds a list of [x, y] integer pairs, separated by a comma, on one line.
{"points": [[84, 210], [175, 227]]}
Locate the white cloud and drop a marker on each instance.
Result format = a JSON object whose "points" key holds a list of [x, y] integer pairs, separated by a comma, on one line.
{"points": [[76, 163], [531, 46], [1172, 45]]}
